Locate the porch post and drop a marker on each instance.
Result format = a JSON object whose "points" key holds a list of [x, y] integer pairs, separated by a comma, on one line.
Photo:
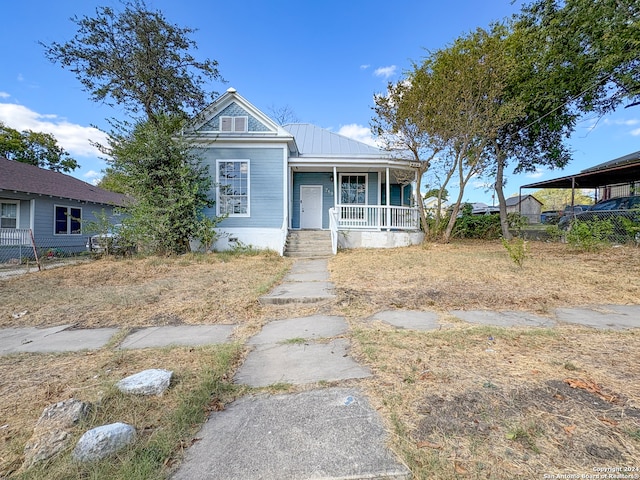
{"points": [[388, 210], [335, 192]]}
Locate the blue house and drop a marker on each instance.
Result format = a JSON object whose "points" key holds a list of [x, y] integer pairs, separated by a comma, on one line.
{"points": [[52, 206], [272, 180]]}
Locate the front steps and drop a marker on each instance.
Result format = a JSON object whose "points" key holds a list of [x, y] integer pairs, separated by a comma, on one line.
{"points": [[308, 243]]}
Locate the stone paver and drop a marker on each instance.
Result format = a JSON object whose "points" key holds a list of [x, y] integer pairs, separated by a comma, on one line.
{"points": [[53, 339], [326, 434], [306, 282], [299, 364], [608, 317], [178, 335], [409, 319], [503, 319], [310, 328]]}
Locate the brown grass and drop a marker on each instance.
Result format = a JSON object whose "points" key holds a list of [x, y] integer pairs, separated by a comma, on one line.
{"points": [[472, 275], [463, 402], [483, 402]]}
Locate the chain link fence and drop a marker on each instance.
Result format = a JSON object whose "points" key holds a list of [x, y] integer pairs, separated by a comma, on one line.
{"points": [[615, 226], [22, 252]]}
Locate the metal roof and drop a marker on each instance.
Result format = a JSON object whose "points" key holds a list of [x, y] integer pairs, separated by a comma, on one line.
{"points": [[625, 169], [315, 141], [22, 177]]}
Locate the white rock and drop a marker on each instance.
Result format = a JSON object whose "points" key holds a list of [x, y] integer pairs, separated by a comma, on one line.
{"points": [[148, 382], [103, 441]]}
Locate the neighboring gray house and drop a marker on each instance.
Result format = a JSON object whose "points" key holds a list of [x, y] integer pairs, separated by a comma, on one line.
{"points": [[271, 180], [527, 206], [54, 206]]}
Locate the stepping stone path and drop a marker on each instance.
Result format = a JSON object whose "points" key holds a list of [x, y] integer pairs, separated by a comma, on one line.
{"points": [[327, 433]]}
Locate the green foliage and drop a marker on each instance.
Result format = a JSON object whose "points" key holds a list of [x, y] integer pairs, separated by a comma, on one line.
{"points": [[485, 227], [35, 148], [169, 187], [517, 221], [517, 249], [558, 198], [589, 236], [206, 232], [145, 62], [554, 232]]}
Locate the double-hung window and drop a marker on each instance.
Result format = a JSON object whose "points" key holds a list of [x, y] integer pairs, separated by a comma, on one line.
{"points": [[233, 188], [8, 215], [68, 220]]}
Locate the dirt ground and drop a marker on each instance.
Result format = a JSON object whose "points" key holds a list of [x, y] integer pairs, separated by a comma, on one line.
{"points": [[462, 402]]}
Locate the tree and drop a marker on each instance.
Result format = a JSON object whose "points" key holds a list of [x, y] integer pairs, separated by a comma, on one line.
{"points": [[283, 115], [139, 61], [136, 59], [596, 42], [558, 198], [169, 186], [35, 148]]}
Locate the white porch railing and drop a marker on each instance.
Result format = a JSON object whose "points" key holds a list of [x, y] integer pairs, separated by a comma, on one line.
{"points": [[15, 236], [333, 227], [376, 217]]}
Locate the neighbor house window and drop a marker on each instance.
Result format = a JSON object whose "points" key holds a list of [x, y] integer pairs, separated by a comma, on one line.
{"points": [[353, 189], [233, 124], [233, 188], [68, 220], [8, 215]]}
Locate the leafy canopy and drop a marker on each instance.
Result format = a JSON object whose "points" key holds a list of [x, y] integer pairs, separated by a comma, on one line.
{"points": [[136, 59], [35, 148]]}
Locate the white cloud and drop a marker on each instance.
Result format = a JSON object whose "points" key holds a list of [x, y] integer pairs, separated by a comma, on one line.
{"points": [[385, 72], [364, 67], [626, 123], [20, 77], [635, 132], [75, 139], [359, 133], [4, 95]]}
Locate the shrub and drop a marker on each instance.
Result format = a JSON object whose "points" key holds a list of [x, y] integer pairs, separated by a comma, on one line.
{"points": [[590, 235]]}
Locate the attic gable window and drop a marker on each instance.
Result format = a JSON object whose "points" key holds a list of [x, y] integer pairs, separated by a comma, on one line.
{"points": [[234, 124]]}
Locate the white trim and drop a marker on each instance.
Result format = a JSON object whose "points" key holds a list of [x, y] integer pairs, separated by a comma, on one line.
{"points": [[366, 187], [17, 204], [32, 214], [248, 194], [68, 214]]}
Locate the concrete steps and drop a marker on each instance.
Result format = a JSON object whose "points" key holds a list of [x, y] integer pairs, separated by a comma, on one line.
{"points": [[308, 243]]}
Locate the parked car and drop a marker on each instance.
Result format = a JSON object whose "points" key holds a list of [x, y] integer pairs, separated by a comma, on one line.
{"points": [[550, 217], [613, 209], [109, 242]]}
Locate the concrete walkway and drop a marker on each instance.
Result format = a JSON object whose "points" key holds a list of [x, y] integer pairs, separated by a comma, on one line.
{"points": [[322, 433]]}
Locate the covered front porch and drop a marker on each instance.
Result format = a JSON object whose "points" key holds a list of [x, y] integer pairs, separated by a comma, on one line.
{"points": [[372, 206]]}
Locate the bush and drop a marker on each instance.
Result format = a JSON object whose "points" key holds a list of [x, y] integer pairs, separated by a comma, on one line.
{"points": [[486, 227], [590, 235]]}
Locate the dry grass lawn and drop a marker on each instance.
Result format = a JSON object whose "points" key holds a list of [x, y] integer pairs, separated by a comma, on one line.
{"points": [[462, 402]]}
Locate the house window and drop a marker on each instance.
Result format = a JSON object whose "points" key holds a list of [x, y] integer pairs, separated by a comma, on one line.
{"points": [[353, 189], [233, 124], [68, 220], [8, 215], [233, 188]]}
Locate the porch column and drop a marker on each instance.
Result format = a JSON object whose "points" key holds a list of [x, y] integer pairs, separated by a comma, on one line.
{"points": [[388, 210], [335, 187]]}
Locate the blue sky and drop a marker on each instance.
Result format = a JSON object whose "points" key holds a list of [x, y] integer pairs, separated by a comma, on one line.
{"points": [[324, 60]]}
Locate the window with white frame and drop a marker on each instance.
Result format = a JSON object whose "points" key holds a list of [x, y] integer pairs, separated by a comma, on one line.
{"points": [[233, 124], [353, 189], [233, 187], [8, 215], [68, 220]]}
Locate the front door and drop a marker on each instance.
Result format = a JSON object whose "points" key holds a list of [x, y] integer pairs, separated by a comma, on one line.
{"points": [[311, 206]]}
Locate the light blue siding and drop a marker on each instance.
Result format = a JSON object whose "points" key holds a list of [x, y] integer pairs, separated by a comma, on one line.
{"points": [[266, 184], [44, 224]]}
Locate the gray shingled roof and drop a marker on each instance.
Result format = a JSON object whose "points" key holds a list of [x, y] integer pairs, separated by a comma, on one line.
{"points": [[513, 201], [24, 178], [313, 140]]}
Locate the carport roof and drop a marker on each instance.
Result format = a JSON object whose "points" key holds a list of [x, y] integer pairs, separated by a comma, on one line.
{"points": [[624, 169]]}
